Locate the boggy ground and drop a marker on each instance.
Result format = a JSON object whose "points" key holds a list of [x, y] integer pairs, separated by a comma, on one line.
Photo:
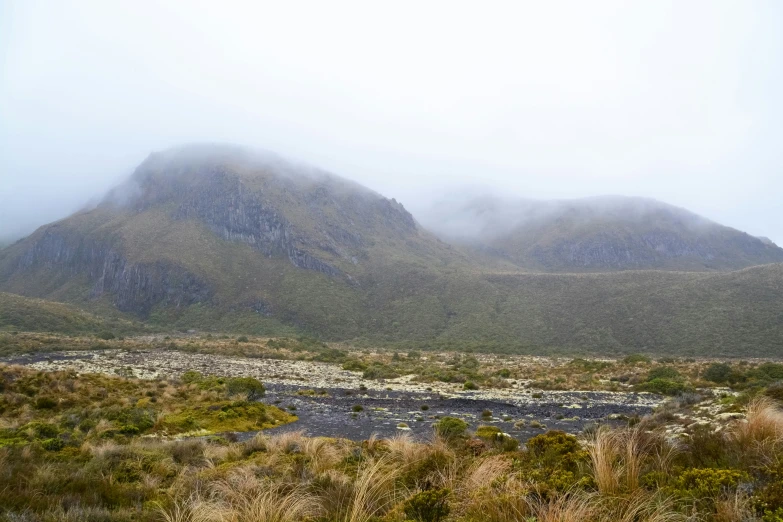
{"points": [[334, 402]]}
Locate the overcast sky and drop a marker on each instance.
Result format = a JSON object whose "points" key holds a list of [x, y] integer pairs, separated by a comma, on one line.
{"points": [[679, 101]]}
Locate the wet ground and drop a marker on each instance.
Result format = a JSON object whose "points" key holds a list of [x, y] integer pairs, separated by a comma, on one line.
{"points": [[330, 401], [386, 413]]}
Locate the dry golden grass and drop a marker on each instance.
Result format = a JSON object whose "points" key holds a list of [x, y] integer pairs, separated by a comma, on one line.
{"points": [[763, 424], [567, 507], [734, 508], [374, 491], [322, 454], [505, 502], [618, 457], [404, 450], [604, 458], [639, 506], [635, 451], [242, 497], [483, 473]]}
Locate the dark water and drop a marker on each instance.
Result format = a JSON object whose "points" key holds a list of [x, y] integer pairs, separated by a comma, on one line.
{"points": [[383, 411]]}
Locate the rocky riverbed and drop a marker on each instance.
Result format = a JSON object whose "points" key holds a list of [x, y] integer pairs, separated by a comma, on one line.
{"points": [[330, 401]]}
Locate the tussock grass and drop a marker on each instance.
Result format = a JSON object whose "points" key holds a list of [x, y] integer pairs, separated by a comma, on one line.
{"points": [[568, 507], [604, 457], [763, 424]]}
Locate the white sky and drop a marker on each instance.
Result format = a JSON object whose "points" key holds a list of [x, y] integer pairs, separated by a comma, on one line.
{"points": [[680, 101]]}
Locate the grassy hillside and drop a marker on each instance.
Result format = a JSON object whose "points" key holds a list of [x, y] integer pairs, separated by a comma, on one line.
{"points": [[19, 313]]}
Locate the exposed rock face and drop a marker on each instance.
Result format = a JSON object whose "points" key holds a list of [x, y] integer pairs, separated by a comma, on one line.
{"points": [[251, 203], [236, 214], [133, 287]]}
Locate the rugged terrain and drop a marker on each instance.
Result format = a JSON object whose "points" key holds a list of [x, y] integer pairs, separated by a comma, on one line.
{"points": [[220, 239]]}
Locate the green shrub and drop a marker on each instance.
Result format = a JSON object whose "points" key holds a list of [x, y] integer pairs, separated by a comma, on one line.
{"points": [[488, 432], [636, 358], [717, 373], [380, 371], [427, 506], [497, 438], [553, 444], [470, 385], [52, 444], [45, 403], [354, 365], [703, 483], [357, 408], [662, 386], [191, 376], [105, 335], [451, 427], [332, 355], [772, 371], [249, 386], [42, 430], [663, 372], [775, 391], [242, 339]]}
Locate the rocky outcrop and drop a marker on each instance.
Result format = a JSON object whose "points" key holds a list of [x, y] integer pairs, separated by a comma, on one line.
{"points": [[133, 287], [236, 214]]}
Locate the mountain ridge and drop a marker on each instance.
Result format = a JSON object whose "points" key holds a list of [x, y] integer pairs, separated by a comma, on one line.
{"points": [[249, 245], [603, 233]]}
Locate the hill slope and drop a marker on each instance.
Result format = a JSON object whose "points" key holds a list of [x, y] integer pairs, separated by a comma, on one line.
{"points": [[600, 234], [218, 238], [38, 315]]}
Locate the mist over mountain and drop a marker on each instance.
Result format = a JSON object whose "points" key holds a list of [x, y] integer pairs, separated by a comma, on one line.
{"points": [[596, 234], [225, 239]]}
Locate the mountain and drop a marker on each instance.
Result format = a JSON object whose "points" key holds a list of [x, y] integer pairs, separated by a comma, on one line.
{"points": [[218, 238], [202, 232], [599, 234]]}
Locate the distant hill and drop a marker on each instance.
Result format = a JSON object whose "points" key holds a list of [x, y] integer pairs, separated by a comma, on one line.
{"points": [[219, 238], [600, 234]]}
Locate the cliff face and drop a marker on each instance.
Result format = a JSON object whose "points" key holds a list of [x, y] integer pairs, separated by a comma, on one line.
{"points": [[315, 220], [232, 212], [132, 287]]}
